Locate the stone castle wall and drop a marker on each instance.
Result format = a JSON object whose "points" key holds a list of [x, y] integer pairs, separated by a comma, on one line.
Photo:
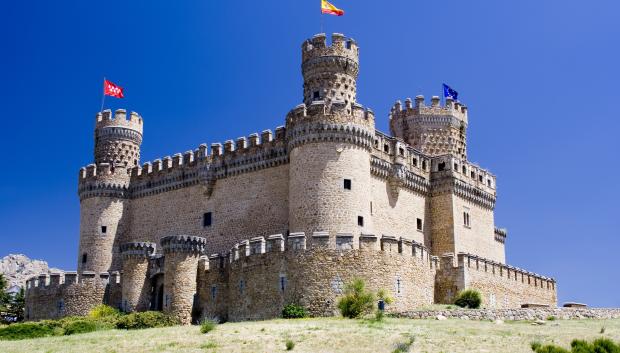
{"points": [[501, 286], [263, 276], [67, 294]]}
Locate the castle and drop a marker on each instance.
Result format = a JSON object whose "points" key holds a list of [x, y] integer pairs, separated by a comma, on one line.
{"points": [[239, 230]]}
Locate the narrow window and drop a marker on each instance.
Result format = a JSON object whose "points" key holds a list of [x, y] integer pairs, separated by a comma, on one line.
{"points": [[386, 148], [441, 166], [241, 287], [415, 162], [316, 95], [480, 178], [347, 184], [466, 219], [206, 219], [371, 208], [456, 167], [473, 174], [489, 182], [419, 224], [464, 170], [104, 229], [360, 221], [84, 257], [398, 285], [213, 292], [348, 44], [423, 165], [401, 151], [282, 283]]}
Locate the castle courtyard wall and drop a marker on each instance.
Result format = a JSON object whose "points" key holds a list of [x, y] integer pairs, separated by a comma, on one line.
{"points": [[396, 214], [241, 205]]}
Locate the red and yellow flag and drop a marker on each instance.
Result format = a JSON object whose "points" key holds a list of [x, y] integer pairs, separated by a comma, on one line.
{"points": [[330, 9]]}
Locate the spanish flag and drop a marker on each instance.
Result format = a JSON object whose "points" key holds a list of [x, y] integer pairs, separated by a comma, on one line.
{"points": [[330, 9]]}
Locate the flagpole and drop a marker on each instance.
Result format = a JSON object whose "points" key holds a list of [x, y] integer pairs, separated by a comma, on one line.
{"points": [[102, 95]]}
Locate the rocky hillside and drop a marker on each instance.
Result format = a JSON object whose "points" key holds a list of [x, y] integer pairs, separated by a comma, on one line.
{"points": [[17, 268]]}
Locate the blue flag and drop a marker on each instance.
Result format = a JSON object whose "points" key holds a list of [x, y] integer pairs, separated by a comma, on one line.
{"points": [[449, 92]]}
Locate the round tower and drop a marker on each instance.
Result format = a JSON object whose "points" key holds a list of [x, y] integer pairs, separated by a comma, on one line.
{"points": [[136, 288], [181, 254], [330, 136], [118, 139], [102, 188]]}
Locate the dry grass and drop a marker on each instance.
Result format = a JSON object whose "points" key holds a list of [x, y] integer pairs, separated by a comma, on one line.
{"points": [[328, 335]]}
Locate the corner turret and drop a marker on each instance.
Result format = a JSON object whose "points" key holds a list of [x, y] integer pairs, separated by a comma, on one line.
{"points": [[118, 139], [330, 71], [433, 129]]}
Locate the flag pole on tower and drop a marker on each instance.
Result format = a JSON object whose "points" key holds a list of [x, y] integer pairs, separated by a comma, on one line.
{"points": [[102, 95]]}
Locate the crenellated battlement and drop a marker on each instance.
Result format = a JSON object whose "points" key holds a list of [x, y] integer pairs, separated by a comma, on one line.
{"points": [[430, 113], [60, 280], [341, 242], [477, 263], [183, 244], [138, 250], [106, 119], [317, 47], [433, 129]]}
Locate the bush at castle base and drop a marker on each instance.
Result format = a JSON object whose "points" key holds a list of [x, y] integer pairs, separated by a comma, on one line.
{"points": [[469, 299], [356, 300], [294, 311], [601, 345], [100, 318], [147, 319]]}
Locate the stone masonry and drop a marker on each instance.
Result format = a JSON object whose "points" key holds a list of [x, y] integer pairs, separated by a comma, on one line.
{"points": [[240, 229]]}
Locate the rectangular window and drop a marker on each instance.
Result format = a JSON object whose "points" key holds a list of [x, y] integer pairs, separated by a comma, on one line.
{"points": [[104, 229], [419, 224], [316, 95], [466, 222], [207, 219], [282, 282], [347, 184], [84, 258], [371, 208], [360, 221], [213, 292]]}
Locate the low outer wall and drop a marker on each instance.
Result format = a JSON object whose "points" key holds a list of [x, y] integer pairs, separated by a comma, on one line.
{"points": [[59, 295], [259, 285], [501, 286], [517, 314]]}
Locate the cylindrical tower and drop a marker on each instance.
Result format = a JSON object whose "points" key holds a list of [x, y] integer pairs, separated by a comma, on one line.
{"points": [[330, 137], [102, 189], [117, 141], [136, 294], [181, 254]]}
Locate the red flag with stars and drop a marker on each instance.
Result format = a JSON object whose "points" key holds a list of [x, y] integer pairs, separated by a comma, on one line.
{"points": [[110, 89]]}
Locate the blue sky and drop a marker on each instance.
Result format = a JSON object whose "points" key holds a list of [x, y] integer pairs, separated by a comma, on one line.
{"points": [[540, 79]]}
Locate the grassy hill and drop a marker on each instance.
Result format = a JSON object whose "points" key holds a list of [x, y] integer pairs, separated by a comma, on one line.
{"points": [[328, 335]]}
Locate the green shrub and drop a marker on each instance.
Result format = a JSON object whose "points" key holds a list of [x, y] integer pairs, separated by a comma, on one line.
{"points": [[294, 311], [27, 330], [469, 298], [147, 319], [290, 345], [601, 345], [103, 312], [80, 326], [551, 318], [207, 325], [356, 300]]}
